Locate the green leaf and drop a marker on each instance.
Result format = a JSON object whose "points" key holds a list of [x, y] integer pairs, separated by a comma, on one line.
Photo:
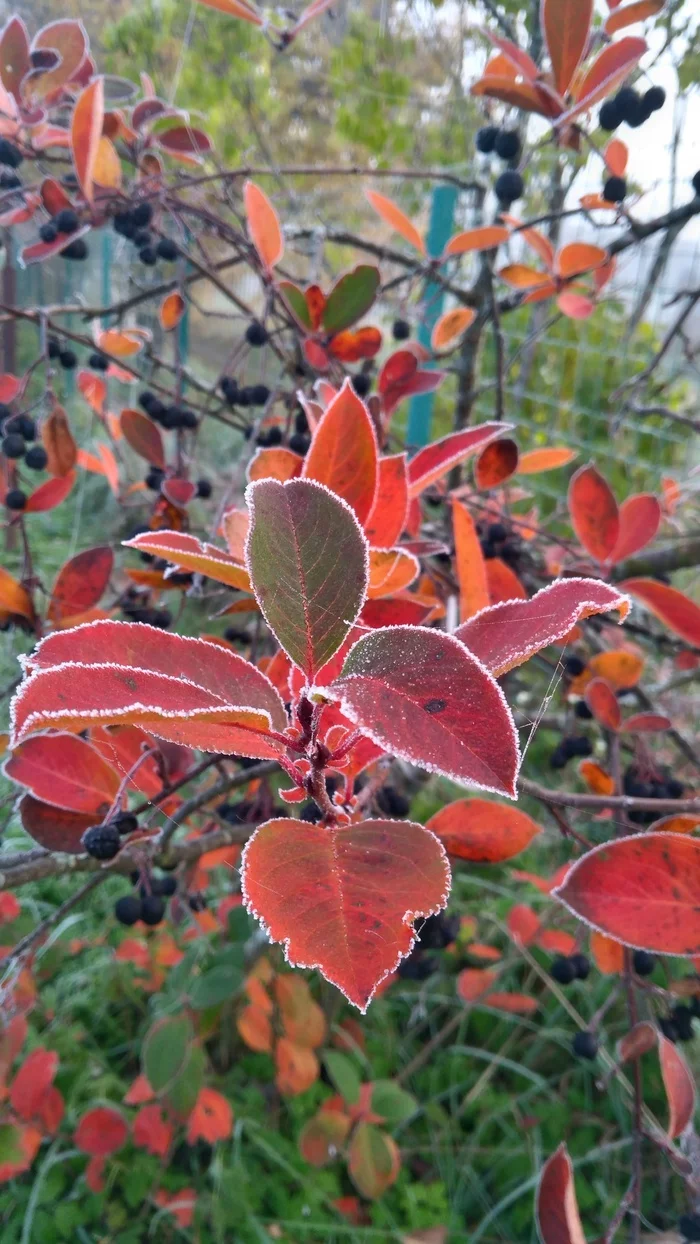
{"points": [[10, 1144], [215, 986], [240, 925], [166, 1050], [307, 559], [392, 1102], [344, 1076], [295, 300], [350, 298], [183, 1092]]}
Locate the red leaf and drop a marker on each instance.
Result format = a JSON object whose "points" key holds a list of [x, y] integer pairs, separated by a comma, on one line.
{"points": [[47, 496], [351, 345], [94, 390], [646, 723], [263, 225], [642, 891], [435, 460], [101, 1132], [164, 681], [172, 309], [81, 582], [188, 553], [640, 519], [307, 558], [502, 582], [679, 1085], [523, 924], [386, 519], [344, 453], [505, 635], [55, 828], [396, 219], [680, 614], [144, 437], [65, 770], [473, 983], [594, 514], [184, 140], [524, 63], [638, 11], [344, 899], [248, 13], [394, 612], [496, 463], [32, 1082], [557, 941], [420, 694], [512, 1003], [85, 133], [151, 1131], [603, 703], [578, 257], [608, 70], [211, 1119], [485, 238], [482, 831], [558, 1220], [566, 24], [469, 563]]}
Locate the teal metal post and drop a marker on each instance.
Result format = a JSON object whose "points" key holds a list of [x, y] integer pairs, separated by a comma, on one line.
{"points": [[420, 410]]}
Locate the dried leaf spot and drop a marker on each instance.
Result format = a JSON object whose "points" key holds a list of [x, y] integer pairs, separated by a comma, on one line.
{"points": [[435, 706]]}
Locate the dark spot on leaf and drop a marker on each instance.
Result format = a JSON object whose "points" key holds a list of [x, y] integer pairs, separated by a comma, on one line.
{"points": [[435, 706]]}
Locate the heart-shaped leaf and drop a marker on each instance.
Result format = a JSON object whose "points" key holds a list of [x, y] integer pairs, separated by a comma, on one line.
{"points": [[343, 899]]}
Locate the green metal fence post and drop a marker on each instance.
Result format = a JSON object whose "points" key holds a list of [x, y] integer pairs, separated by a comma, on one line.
{"points": [[420, 411]]}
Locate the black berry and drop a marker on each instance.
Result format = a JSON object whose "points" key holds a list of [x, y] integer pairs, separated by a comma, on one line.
{"points": [[36, 458], [9, 181], [152, 909], [271, 436], [102, 841], [66, 221], [299, 442], [497, 533], [26, 427], [583, 711], [123, 223], [609, 116], [361, 383], [655, 98], [168, 886], [643, 962], [260, 394], [418, 966], [585, 1045], [155, 478], [392, 802], [142, 215], [562, 970], [127, 909], [401, 330], [15, 499], [53, 349], [76, 250], [167, 249], [689, 1227], [98, 362], [141, 238], [437, 931], [148, 256], [682, 1017], [9, 154], [310, 812], [486, 139], [235, 634], [125, 823], [509, 187], [696, 182], [13, 445], [256, 334], [615, 189], [68, 359], [204, 488], [507, 144], [668, 1028], [627, 103], [147, 400], [48, 232], [581, 965], [574, 666], [559, 757], [229, 388], [301, 423]]}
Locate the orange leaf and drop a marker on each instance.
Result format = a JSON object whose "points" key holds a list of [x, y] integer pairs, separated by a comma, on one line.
{"points": [[248, 13], [596, 779], [502, 582], [620, 668], [86, 132], [594, 514], [107, 169], [473, 983], [59, 444], [393, 216], [189, 553], [469, 563], [172, 310], [578, 257], [680, 614], [47, 496], [344, 452], [616, 156], [482, 239], [608, 70], [566, 26], [679, 1085], [520, 276], [523, 924], [235, 524], [537, 460], [640, 519], [276, 462], [557, 941], [354, 344], [255, 1028], [603, 703], [390, 571], [608, 954], [512, 1003], [631, 13], [263, 225], [681, 823], [211, 1119], [13, 597], [297, 1067], [496, 463], [450, 327], [558, 1219], [482, 830], [387, 517], [122, 342]]}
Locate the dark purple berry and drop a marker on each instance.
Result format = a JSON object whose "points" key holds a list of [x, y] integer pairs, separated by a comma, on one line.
{"points": [[15, 499], [615, 189], [486, 139], [102, 841], [256, 334], [127, 909], [585, 1045]]}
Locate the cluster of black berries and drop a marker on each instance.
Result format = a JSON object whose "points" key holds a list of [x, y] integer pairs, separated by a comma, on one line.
{"points": [[568, 968], [267, 437], [133, 224], [300, 440], [435, 933], [391, 802], [678, 1024], [103, 842], [628, 105], [505, 144], [68, 359], [492, 538], [16, 431], [65, 223], [10, 158], [149, 902], [658, 785], [247, 395], [173, 417], [571, 745], [135, 607], [689, 1227]]}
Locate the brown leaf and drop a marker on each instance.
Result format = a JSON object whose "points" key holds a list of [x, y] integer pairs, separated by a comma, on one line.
{"points": [[59, 444]]}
